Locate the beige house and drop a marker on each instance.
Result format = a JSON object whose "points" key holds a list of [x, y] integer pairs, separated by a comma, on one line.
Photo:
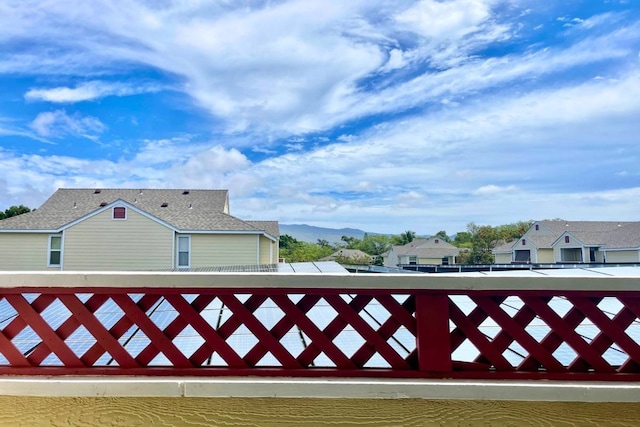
{"points": [[548, 242], [433, 250], [126, 229]]}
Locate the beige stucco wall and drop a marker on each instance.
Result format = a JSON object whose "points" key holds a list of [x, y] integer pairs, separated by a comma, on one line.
{"points": [[24, 251], [102, 243], [210, 250], [503, 258], [545, 256], [436, 261], [132, 411], [623, 256]]}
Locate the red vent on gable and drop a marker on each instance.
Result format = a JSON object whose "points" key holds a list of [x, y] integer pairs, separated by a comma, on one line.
{"points": [[524, 242], [119, 212], [566, 239], [537, 226], [437, 241]]}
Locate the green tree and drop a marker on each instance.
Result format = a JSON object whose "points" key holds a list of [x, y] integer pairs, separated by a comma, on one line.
{"points": [[288, 242], [375, 244], [304, 252], [323, 242], [351, 242], [14, 211], [442, 235], [403, 238], [462, 240], [361, 260]]}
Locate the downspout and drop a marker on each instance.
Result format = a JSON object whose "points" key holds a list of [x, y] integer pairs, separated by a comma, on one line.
{"points": [[258, 249], [173, 250], [62, 251]]}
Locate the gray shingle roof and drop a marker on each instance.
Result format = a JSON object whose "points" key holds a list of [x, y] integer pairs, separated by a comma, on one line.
{"points": [[418, 248], [188, 210], [558, 227]]}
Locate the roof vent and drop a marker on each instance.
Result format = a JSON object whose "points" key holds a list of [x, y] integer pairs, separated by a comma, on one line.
{"points": [[190, 206], [97, 191], [75, 205], [103, 204], [185, 192], [164, 205]]}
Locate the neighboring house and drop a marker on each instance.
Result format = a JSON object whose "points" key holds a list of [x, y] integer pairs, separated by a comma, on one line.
{"points": [[547, 242], [350, 255], [433, 250], [126, 229]]}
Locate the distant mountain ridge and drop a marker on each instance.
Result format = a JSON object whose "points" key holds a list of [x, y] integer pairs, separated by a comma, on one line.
{"points": [[311, 234]]}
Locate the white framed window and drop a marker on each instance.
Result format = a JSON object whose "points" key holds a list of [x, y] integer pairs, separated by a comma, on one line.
{"points": [[119, 212], [54, 255], [184, 251]]}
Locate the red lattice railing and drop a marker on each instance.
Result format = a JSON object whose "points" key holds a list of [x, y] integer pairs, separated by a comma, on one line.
{"points": [[338, 330]]}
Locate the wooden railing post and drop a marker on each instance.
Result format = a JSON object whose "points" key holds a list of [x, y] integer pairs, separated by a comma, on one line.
{"points": [[433, 340]]}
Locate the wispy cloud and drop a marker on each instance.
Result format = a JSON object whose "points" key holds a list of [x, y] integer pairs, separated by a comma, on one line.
{"points": [[56, 124], [87, 91]]}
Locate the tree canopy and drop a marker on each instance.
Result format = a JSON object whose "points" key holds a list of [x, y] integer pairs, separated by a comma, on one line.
{"points": [[14, 211]]}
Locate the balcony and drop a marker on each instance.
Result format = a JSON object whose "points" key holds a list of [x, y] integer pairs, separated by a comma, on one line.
{"points": [[390, 346]]}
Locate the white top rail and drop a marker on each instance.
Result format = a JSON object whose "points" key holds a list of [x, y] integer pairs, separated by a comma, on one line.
{"points": [[605, 279]]}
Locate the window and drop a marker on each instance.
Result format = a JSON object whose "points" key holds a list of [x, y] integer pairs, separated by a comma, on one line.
{"points": [[119, 212], [55, 251], [184, 249]]}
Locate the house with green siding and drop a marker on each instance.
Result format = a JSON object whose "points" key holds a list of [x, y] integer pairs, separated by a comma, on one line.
{"points": [[135, 229]]}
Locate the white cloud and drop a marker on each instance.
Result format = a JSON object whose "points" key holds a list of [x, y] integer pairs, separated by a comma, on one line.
{"points": [[86, 91], [445, 20], [489, 190], [58, 123]]}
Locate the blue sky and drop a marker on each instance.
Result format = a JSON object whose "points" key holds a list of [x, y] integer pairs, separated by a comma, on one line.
{"points": [[381, 115]]}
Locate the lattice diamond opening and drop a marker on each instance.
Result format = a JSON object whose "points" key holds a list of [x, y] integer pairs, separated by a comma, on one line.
{"points": [[464, 303], [242, 340], [55, 314], [80, 341], [560, 305], [268, 314], [466, 352], [512, 305], [348, 341], [610, 306], [188, 341], [322, 314], [564, 354]]}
